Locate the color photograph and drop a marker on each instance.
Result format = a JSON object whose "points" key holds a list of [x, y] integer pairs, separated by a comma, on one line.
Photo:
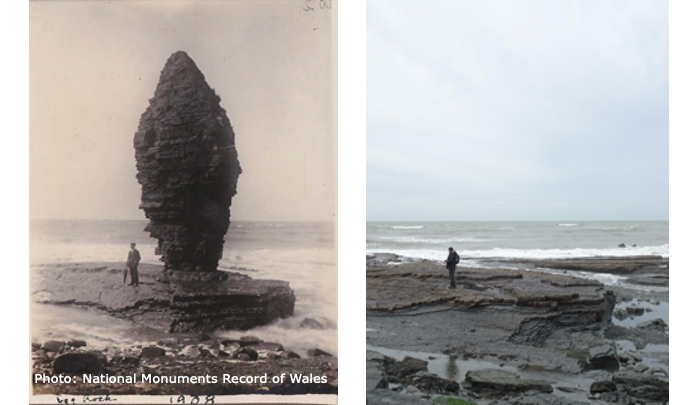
{"points": [[518, 202]]}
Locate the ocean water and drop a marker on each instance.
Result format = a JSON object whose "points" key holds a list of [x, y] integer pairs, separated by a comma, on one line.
{"points": [[430, 240], [534, 240], [299, 252]]}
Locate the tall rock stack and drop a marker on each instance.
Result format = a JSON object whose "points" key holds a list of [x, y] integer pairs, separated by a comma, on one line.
{"points": [[187, 166]]}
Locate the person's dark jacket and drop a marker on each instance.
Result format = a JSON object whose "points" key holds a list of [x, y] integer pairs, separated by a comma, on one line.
{"points": [[452, 260], [133, 257]]}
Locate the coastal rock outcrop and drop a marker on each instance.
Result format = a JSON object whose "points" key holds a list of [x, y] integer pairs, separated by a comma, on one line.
{"points": [[170, 301], [642, 385], [603, 357], [188, 169], [187, 166], [524, 335], [123, 361], [526, 309]]}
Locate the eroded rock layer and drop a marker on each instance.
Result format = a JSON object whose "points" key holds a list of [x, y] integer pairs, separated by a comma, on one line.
{"points": [[168, 301], [526, 307], [187, 166]]}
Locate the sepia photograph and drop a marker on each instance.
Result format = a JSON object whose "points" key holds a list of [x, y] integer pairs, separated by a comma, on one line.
{"points": [[518, 203], [183, 201]]}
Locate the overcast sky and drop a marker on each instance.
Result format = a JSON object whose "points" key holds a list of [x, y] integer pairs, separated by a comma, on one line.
{"points": [[517, 110], [95, 64]]}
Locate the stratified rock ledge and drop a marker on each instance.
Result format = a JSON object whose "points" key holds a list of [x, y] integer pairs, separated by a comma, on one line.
{"points": [[172, 301]]}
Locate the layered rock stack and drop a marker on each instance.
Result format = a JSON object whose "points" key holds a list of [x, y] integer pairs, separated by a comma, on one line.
{"points": [[187, 166], [188, 169]]}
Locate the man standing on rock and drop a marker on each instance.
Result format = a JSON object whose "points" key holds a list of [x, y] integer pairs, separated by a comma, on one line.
{"points": [[132, 264], [451, 263]]}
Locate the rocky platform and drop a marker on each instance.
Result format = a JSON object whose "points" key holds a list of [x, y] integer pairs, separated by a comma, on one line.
{"points": [[646, 270], [521, 336], [507, 305], [172, 301]]}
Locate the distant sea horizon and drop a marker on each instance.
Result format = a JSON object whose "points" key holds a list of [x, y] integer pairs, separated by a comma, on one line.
{"points": [[519, 239]]}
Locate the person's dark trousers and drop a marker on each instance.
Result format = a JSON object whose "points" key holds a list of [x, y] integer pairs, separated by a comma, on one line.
{"points": [[134, 275], [452, 283]]}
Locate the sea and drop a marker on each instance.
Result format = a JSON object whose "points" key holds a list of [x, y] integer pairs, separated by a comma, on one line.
{"points": [[475, 241], [302, 253]]}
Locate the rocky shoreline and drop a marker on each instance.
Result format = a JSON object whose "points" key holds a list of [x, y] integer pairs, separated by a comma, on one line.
{"points": [[516, 335], [188, 307], [205, 356], [171, 301]]}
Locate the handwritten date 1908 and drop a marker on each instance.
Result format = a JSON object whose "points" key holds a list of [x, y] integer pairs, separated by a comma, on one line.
{"points": [[323, 4], [192, 400]]}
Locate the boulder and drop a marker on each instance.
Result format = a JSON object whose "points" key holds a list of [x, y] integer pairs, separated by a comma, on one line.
{"points": [[635, 355], [245, 353], [603, 357], [152, 351], [635, 311], [621, 245], [503, 382], [288, 355], [428, 382], [414, 365], [318, 353], [643, 386], [79, 363], [77, 343], [249, 341], [53, 346], [655, 324], [191, 351], [309, 323], [621, 314]]}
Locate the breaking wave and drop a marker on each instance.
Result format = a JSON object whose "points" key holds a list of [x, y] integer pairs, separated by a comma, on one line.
{"points": [[416, 239], [407, 227], [510, 253]]}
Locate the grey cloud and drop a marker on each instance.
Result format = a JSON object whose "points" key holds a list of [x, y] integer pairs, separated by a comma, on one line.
{"points": [[517, 110]]}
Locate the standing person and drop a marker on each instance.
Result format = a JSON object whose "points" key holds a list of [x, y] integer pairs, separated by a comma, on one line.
{"points": [[132, 264], [451, 263]]}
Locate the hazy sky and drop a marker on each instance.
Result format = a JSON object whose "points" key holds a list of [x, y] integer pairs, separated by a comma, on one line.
{"points": [[517, 110], [95, 64]]}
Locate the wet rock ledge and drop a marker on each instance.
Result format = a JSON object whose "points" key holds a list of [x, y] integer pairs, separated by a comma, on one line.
{"points": [[527, 308], [172, 301]]}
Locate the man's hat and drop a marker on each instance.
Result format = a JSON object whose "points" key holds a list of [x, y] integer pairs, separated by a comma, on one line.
{"points": [[451, 248]]}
